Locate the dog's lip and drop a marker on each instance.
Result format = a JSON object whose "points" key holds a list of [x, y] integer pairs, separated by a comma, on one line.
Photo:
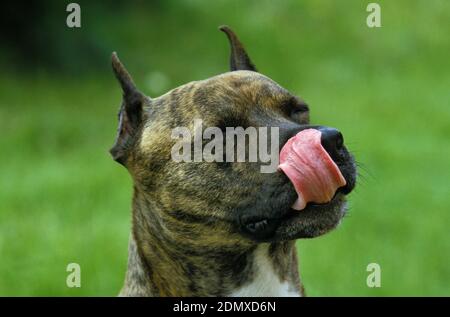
{"points": [[294, 224], [293, 212], [340, 191]]}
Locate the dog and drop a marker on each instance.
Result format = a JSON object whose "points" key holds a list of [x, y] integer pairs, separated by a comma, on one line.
{"points": [[217, 228]]}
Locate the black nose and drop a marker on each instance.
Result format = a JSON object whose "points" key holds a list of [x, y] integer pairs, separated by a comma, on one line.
{"points": [[332, 141]]}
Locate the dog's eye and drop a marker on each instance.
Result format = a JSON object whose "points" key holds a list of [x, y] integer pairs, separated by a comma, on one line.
{"points": [[295, 108], [298, 110]]}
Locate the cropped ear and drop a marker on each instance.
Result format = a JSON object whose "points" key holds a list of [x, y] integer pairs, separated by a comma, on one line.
{"points": [[130, 114], [239, 59]]}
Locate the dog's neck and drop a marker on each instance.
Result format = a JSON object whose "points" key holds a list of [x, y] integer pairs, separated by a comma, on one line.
{"points": [[159, 266]]}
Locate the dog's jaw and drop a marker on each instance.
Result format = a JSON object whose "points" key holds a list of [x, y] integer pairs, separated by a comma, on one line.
{"points": [[159, 268]]}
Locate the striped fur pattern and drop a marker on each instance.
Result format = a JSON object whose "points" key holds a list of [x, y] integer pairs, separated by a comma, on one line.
{"points": [[190, 221]]}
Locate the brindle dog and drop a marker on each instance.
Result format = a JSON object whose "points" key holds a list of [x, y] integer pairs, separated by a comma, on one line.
{"points": [[216, 229]]}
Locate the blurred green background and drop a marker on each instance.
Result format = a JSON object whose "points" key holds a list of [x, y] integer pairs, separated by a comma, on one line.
{"points": [[63, 199]]}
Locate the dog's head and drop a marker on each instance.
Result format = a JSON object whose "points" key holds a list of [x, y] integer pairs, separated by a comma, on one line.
{"points": [[213, 199]]}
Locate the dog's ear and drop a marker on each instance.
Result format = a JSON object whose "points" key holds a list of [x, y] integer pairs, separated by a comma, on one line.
{"points": [[239, 59], [130, 114]]}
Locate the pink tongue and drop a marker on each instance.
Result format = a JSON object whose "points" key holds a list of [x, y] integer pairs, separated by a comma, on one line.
{"points": [[310, 168]]}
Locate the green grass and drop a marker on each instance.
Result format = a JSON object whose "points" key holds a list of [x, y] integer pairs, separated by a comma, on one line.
{"points": [[62, 199]]}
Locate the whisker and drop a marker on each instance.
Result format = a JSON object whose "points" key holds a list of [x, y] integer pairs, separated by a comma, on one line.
{"points": [[364, 171]]}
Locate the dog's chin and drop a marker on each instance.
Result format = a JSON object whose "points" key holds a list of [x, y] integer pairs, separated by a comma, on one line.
{"points": [[313, 221]]}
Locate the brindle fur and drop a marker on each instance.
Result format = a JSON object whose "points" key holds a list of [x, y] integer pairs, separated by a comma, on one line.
{"points": [[188, 219]]}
